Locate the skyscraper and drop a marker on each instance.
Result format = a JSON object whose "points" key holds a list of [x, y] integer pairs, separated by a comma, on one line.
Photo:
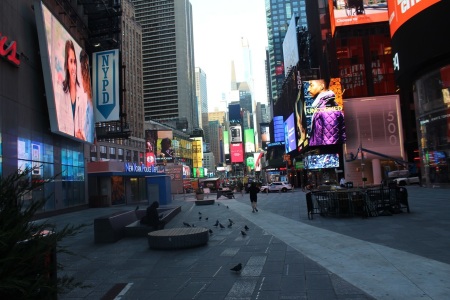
{"points": [[168, 61], [278, 15], [202, 99]]}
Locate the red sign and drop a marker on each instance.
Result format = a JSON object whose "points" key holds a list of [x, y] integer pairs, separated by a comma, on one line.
{"points": [[237, 153], [9, 50]]}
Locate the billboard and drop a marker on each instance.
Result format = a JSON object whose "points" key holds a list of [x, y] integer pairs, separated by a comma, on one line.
{"points": [[105, 70], [164, 149], [66, 77], [290, 46], [151, 136], [257, 160], [321, 161], [319, 114], [237, 154], [236, 134], [278, 129], [265, 135], [401, 11], [226, 143], [234, 113], [290, 140], [353, 12], [249, 138]]}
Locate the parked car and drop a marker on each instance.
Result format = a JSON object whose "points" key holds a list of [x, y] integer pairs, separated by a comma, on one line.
{"points": [[277, 186], [402, 181]]}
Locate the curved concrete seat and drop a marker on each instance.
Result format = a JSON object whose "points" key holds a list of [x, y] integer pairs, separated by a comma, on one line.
{"points": [[204, 202], [178, 238]]}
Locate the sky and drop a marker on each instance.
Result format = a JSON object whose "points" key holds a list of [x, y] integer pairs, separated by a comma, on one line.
{"points": [[218, 28]]}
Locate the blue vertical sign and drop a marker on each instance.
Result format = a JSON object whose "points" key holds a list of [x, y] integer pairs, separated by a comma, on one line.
{"points": [[106, 85]]}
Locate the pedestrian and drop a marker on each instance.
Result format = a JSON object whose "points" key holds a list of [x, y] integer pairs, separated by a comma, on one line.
{"points": [[253, 191]]}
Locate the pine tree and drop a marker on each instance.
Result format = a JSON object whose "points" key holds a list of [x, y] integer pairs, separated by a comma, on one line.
{"points": [[28, 266]]}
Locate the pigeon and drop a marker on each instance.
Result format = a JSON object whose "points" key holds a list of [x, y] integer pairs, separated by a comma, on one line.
{"points": [[218, 204], [246, 227], [237, 268], [229, 225], [217, 223], [200, 217], [221, 226], [243, 232], [186, 224], [227, 206], [199, 213], [210, 231], [206, 219], [231, 221]]}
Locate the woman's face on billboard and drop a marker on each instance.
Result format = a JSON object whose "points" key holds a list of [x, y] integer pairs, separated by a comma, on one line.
{"points": [[72, 65]]}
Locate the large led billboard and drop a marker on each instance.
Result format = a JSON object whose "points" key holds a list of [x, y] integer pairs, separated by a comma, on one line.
{"points": [[249, 138], [151, 137], [321, 161], [237, 153], [400, 11], [66, 77], [265, 135], [226, 143], [236, 134], [234, 113], [278, 129], [319, 114], [105, 70], [164, 149], [353, 12], [290, 140]]}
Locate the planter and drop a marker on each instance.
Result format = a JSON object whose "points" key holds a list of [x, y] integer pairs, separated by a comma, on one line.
{"points": [[200, 196], [205, 202]]}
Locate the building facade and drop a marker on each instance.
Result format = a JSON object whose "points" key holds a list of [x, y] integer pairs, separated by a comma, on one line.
{"points": [[168, 62]]}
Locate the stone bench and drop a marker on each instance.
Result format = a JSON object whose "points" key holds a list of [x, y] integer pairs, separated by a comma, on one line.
{"points": [[178, 238], [111, 228], [136, 229], [205, 202]]}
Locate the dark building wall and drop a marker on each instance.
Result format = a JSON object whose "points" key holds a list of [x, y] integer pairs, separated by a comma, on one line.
{"points": [[23, 109]]}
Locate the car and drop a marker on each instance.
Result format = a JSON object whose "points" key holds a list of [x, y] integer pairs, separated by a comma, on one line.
{"points": [[276, 186], [402, 181]]}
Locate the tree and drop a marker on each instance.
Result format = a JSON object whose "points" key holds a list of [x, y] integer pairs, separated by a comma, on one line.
{"points": [[28, 266]]}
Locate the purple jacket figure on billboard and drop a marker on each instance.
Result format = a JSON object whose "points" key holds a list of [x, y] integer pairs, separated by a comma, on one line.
{"points": [[327, 122]]}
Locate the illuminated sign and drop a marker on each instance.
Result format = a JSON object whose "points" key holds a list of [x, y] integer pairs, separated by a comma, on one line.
{"points": [[9, 50], [133, 167], [353, 12], [401, 11], [105, 66]]}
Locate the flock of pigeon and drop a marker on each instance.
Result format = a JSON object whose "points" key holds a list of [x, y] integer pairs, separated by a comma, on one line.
{"points": [[217, 224]]}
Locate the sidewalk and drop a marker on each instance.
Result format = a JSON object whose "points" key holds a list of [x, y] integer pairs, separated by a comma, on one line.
{"points": [[284, 255]]}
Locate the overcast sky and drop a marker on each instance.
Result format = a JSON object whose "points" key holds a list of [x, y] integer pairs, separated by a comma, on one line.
{"points": [[218, 28]]}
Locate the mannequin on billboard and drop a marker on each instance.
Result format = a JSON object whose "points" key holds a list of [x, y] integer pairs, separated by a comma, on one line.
{"points": [[327, 122]]}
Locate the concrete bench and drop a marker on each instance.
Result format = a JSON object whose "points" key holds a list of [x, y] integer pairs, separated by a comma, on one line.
{"points": [[205, 202], [111, 228], [136, 229], [178, 238]]}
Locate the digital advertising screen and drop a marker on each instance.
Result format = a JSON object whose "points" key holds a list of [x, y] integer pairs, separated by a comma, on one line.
{"points": [[290, 140], [265, 135], [278, 128], [321, 161], [226, 143], [151, 137], [319, 114], [66, 77], [257, 157], [164, 149], [236, 134], [249, 138], [237, 153], [234, 113], [353, 12]]}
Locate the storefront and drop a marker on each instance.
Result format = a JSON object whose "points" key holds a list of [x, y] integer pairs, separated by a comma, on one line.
{"points": [[118, 183]]}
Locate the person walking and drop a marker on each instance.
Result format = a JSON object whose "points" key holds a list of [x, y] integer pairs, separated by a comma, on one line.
{"points": [[253, 191]]}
